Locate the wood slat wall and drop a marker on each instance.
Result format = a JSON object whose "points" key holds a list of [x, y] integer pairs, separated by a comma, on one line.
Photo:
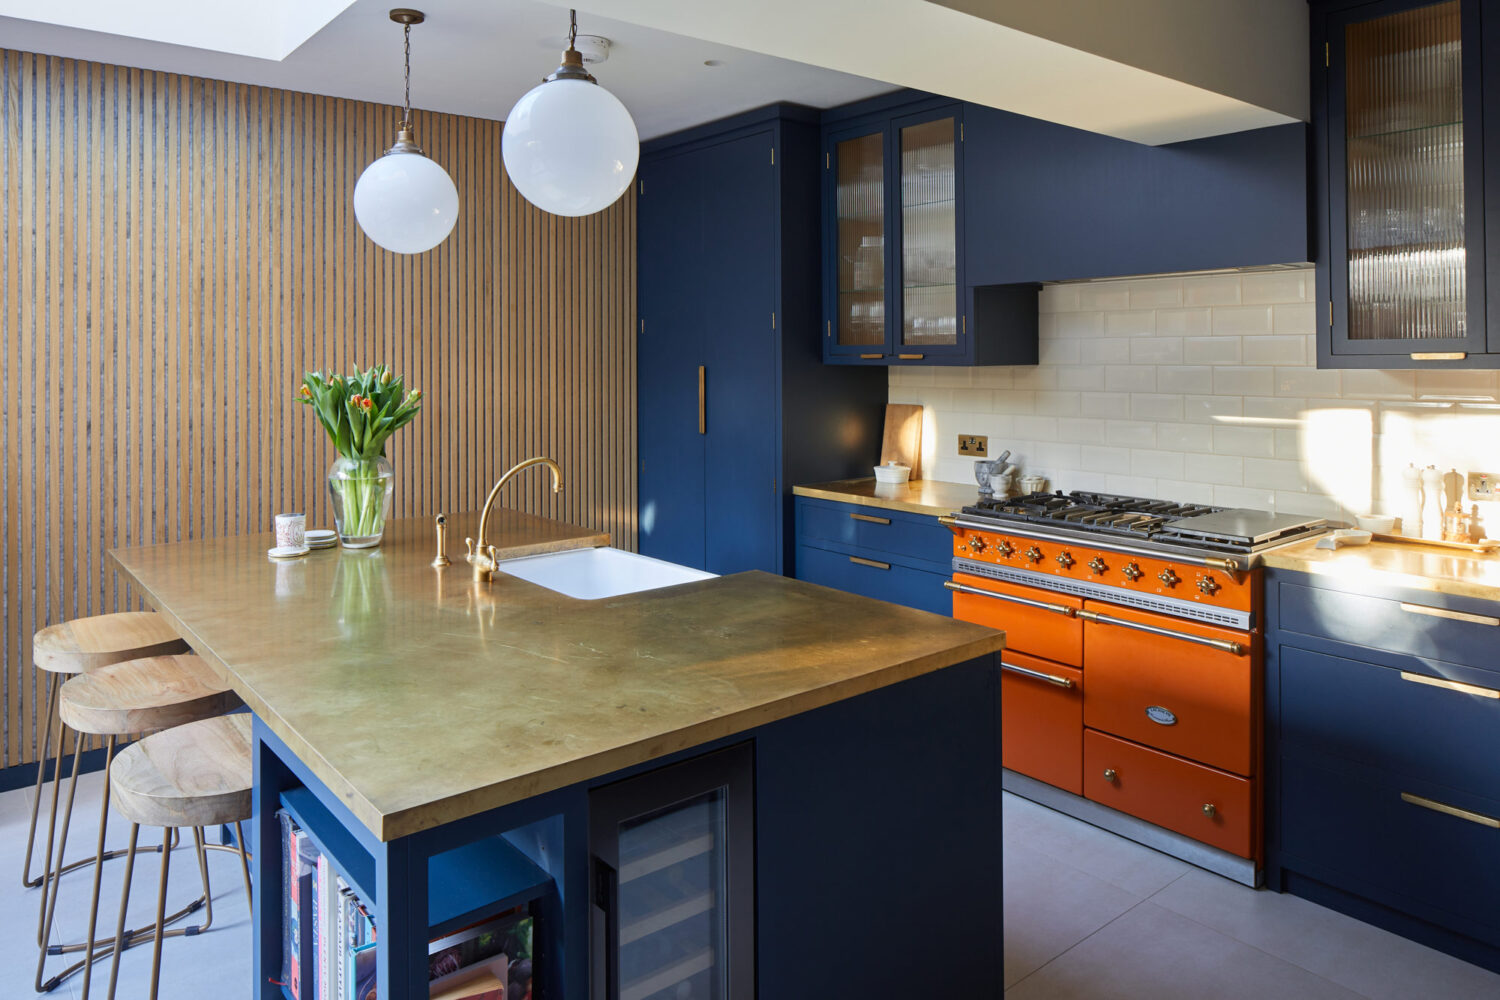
{"points": [[174, 252]]}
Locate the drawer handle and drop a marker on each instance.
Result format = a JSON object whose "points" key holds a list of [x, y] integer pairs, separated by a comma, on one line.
{"points": [[871, 518], [873, 564], [1447, 810], [1237, 648], [1458, 616], [961, 588], [1209, 810], [1461, 688], [1062, 682], [1109, 775]]}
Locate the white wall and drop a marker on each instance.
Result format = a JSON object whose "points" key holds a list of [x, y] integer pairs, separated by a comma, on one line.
{"points": [[1203, 388]]}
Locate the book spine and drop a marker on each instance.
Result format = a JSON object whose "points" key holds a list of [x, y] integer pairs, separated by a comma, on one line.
{"points": [[288, 859]]}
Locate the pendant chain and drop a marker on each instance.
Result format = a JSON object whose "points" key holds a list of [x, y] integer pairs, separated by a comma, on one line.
{"points": [[572, 28], [406, 106]]}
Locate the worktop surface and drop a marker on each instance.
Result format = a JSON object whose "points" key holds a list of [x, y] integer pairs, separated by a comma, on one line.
{"points": [[924, 496], [420, 696], [1397, 564]]}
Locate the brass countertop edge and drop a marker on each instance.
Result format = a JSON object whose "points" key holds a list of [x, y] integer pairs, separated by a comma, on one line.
{"points": [[884, 503], [1416, 581], [398, 822]]}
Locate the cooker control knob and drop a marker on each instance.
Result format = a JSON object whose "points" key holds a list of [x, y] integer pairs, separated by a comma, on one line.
{"points": [[1005, 549], [1209, 586], [1169, 578], [976, 544], [1109, 775], [1132, 572], [1097, 565], [1033, 553], [1065, 560]]}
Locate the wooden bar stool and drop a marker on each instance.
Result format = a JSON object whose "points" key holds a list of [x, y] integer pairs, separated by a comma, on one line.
{"points": [[196, 775], [117, 701], [76, 647]]}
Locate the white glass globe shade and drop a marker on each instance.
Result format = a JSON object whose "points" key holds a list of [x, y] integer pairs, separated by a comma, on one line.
{"points": [[570, 147], [406, 202]]}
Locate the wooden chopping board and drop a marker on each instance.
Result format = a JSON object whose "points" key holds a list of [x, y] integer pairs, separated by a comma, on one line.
{"points": [[903, 436]]}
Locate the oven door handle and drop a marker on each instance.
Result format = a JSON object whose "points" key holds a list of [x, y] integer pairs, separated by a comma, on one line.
{"points": [[1062, 682], [1228, 646], [962, 588]]}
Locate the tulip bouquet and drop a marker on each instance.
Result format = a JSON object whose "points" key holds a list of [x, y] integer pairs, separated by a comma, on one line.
{"points": [[359, 412]]}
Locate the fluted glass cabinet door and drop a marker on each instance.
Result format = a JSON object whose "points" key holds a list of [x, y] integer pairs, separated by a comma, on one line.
{"points": [[1404, 143], [929, 235], [859, 198]]}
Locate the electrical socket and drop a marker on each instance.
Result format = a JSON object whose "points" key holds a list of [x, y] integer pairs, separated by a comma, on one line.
{"points": [[977, 445], [1484, 486]]}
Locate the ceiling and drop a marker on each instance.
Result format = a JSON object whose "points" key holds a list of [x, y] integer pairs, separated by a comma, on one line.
{"points": [[472, 57]]}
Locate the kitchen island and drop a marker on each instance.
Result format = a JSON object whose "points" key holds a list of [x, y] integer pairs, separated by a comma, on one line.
{"points": [[409, 716]]}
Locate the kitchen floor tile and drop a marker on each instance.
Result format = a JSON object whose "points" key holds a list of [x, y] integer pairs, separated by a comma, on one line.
{"points": [[1354, 954], [1138, 870], [1152, 952], [1049, 907]]}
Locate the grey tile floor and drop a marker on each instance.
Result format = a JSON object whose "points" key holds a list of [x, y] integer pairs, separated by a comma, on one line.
{"points": [[1087, 915]]}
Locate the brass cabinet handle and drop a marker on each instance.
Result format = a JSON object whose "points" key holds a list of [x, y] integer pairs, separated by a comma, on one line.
{"points": [[1439, 355], [1209, 810], [1460, 687], [871, 518], [1109, 775], [1237, 648], [1062, 682], [1447, 810], [1457, 616], [1061, 609], [910, 357], [871, 357], [872, 563], [702, 400]]}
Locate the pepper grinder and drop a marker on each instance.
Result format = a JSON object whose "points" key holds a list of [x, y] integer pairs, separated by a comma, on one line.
{"points": [[1432, 502], [1411, 520], [441, 559]]}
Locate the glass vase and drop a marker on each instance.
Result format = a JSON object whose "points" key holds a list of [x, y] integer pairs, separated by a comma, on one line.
{"points": [[361, 491]]}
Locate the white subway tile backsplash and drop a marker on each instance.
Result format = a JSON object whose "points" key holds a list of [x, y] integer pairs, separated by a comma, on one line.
{"points": [[1241, 320], [1130, 378], [1204, 388]]}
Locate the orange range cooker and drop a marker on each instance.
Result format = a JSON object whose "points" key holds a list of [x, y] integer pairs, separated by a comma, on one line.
{"points": [[1131, 686]]}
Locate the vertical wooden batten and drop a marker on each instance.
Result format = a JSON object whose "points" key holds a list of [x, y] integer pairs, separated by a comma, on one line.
{"points": [[175, 251]]}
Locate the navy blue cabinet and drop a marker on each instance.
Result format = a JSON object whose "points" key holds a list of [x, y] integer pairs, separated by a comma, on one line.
{"points": [[1383, 798], [1399, 108], [734, 403], [888, 555]]}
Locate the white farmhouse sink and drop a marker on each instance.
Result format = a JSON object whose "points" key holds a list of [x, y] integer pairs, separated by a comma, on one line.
{"points": [[592, 574]]}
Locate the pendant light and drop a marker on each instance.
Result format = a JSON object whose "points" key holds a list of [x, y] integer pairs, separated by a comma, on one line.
{"points": [[570, 147], [404, 201]]}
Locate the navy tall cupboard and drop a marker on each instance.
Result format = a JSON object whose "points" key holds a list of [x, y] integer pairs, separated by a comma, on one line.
{"points": [[734, 404]]}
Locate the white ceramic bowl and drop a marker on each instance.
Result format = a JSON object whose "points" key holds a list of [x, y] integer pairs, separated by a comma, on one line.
{"points": [[892, 472], [1380, 524]]}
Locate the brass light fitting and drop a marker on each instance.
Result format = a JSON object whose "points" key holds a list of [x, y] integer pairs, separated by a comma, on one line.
{"points": [[406, 136], [572, 59]]}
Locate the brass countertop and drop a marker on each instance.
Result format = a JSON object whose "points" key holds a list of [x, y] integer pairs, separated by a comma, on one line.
{"points": [[420, 697], [924, 496], [1420, 567]]}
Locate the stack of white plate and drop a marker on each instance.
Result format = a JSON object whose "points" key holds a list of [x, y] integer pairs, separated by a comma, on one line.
{"points": [[322, 538]]}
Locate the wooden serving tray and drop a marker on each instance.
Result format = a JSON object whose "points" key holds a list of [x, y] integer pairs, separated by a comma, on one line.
{"points": [[1480, 548]]}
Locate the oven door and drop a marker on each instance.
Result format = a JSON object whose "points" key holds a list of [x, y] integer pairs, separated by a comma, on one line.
{"points": [[1035, 621], [1041, 720], [1184, 687]]}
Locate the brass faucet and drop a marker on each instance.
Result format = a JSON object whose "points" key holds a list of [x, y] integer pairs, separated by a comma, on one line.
{"points": [[481, 554]]}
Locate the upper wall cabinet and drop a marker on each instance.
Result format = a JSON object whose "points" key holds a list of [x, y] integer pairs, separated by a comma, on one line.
{"points": [[1399, 108]]}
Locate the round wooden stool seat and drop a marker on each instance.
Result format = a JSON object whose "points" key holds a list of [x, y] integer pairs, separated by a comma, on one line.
{"points": [[83, 644], [144, 695], [193, 775]]}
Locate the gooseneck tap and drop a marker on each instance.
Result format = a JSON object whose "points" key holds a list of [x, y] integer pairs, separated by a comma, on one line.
{"points": [[481, 554]]}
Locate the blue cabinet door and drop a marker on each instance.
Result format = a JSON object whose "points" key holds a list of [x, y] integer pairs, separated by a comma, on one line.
{"points": [[737, 347], [671, 448]]}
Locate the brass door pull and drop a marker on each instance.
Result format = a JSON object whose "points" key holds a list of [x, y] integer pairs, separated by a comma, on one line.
{"points": [[702, 400], [910, 357], [872, 563], [872, 519], [1061, 609], [1457, 616], [1461, 688], [871, 357], [1054, 679], [1447, 810]]}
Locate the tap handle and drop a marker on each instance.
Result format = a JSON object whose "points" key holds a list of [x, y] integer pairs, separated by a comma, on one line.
{"points": [[469, 548]]}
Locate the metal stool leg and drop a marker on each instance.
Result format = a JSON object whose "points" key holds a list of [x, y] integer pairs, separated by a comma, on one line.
{"points": [[49, 899], [57, 763], [41, 768], [239, 838], [114, 965], [161, 912], [88, 950]]}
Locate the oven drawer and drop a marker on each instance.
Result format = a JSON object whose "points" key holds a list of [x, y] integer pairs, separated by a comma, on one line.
{"points": [[1422, 850], [1190, 689], [915, 535], [1035, 621], [1041, 720], [1420, 627], [1200, 802], [1404, 723]]}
